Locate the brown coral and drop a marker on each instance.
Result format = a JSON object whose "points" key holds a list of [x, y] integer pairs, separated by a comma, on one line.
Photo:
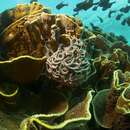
{"points": [[37, 35], [114, 103], [11, 15]]}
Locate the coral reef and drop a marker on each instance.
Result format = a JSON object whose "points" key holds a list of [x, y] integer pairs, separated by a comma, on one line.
{"points": [[35, 35], [52, 69]]}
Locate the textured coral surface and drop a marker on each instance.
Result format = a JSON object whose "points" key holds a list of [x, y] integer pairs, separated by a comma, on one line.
{"points": [[55, 74]]}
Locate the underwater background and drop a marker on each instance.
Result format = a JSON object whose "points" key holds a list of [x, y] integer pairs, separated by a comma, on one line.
{"points": [[88, 16]]}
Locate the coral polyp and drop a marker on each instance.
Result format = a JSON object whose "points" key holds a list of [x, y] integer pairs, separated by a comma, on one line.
{"points": [[70, 65]]}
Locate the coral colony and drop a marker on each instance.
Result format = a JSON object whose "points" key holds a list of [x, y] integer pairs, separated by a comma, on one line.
{"points": [[55, 74]]}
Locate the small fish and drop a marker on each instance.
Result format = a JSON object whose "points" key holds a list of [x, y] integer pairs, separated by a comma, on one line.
{"points": [[123, 22], [31, 1], [60, 5], [85, 5], [109, 5], [101, 20], [111, 12], [94, 8], [125, 9], [118, 17], [122, 38], [105, 4], [94, 27], [128, 21], [75, 14]]}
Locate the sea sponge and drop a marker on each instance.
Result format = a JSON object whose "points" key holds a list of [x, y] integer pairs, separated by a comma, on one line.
{"points": [[68, 119], [37, 35]]}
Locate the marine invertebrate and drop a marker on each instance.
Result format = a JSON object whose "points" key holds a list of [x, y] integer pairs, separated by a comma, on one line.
{"points": [[70, 65], [37, 35], [8, 92], [121, 58], [28, 104], [23, 69], [103, 43], [104, 67], [35, 41], [114, 102], [73, 118], [25, 43], [106, 64], [11, 15], [30, 37]]}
